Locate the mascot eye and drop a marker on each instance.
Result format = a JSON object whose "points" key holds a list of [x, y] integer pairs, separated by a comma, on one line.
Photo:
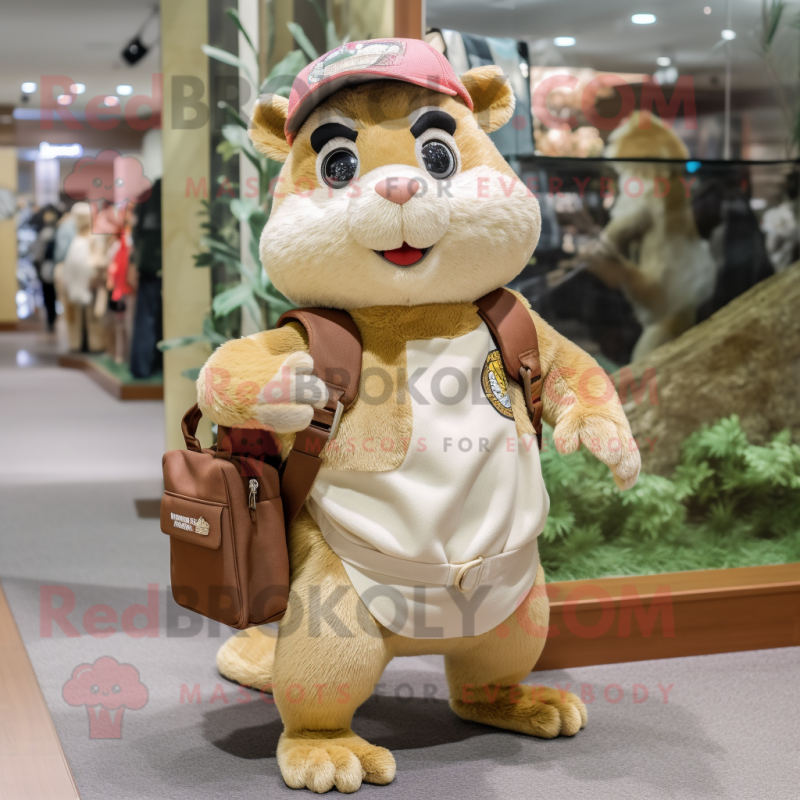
{"points": [[438, 159], [339, 167]]}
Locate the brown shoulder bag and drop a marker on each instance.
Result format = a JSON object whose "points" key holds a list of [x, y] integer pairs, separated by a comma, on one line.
{"points": [[227, 509]]}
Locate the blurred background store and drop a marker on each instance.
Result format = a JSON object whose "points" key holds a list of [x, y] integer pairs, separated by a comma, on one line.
{"points": [[86, 103], [661, 139]]}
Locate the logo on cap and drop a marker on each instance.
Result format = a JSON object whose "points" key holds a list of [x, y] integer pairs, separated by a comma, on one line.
{"points": [[356, 56]]}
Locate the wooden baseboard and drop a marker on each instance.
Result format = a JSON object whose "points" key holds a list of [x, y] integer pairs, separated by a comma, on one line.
{"points": [[113, 385], [8, 326], [637, 618], [32, 764]]}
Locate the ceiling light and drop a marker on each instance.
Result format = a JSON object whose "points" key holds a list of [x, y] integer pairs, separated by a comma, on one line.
{"points": [[564, 41], [124, 89], [707, 10], [78, 88], [666, 76], [29, 87], [64, 99], [728, 35], [643, 19], [111, 100], [663, 61]]}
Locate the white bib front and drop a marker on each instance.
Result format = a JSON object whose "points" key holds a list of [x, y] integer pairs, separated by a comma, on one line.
{"points": [[469, 492]]}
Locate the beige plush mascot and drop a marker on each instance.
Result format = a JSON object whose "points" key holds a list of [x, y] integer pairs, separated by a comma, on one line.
{"points": [[651, 249], [394, 205]]}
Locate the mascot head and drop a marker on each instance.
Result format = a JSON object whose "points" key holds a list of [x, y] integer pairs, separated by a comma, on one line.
{"points": [[391, 192]]}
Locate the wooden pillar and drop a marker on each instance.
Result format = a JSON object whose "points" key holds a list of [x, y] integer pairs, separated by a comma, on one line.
{"points": [[409, 19], [8, 244], [186, 289]]}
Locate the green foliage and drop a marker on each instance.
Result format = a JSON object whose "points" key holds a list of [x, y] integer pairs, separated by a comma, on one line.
{"points": [[777, 44], [728, 503]]}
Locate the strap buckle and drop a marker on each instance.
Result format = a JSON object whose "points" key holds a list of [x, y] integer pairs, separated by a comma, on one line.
{"points": [[464, 571], [526, 379], [337, 418], [330, 428], [534, 404]]}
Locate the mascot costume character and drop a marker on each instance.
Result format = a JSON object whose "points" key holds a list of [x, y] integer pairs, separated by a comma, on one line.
{"points": [[651, 249], [420, 533]]}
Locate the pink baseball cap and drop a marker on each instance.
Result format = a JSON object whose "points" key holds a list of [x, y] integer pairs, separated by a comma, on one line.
{"points": [[409, 60]]}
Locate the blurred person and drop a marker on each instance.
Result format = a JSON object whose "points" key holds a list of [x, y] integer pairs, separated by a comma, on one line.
{"points": [[145, 358], [83, 284], [722, 212], [43, 257], [779, 225], [120, 291], [65, 233]]}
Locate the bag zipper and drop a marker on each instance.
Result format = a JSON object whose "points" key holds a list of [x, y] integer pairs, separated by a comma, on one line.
{"points": [[253, 493]]}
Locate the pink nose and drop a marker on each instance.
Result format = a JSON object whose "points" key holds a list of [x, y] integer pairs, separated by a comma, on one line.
{"points": [[398, 190]]}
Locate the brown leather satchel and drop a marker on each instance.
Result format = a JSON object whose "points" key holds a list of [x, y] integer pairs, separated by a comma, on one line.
{"points": [[227, 509]]}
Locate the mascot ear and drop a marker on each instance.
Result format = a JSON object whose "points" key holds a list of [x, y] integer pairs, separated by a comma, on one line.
{"points": [[492, 97], [267, 124]]}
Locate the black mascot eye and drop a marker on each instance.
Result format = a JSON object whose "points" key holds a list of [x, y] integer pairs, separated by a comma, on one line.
{"points": [[438, 159], [339, 168]]}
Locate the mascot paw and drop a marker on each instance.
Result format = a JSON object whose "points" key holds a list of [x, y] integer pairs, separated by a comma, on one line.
{"points": [[534, 710], [607, 436], [287, 402], [342, 761]]}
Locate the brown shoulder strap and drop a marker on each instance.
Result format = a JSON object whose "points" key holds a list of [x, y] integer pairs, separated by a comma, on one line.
{"points": [[335, 345], [514, 332]]}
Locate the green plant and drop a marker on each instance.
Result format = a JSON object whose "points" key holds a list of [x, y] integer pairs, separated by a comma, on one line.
{"points": [[251, 288], [778, 53], [728, 503]]}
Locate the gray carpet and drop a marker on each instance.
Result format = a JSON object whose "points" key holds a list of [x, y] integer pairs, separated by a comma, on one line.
{"points": [[75, 463]]}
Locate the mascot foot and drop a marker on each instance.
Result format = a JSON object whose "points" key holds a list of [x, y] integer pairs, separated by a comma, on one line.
{"points": [[535, 710], [320, 760], [246, 658]]}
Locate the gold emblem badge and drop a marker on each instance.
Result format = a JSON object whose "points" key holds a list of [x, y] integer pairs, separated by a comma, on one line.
{"points": [[201, 527], [495, 384]]}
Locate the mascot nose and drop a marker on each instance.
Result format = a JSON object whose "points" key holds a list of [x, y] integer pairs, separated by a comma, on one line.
{"points": [[398, 190]]}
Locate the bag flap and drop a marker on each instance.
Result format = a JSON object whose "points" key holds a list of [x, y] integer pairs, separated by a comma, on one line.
{"points": [[190, 520], [196, 474]]}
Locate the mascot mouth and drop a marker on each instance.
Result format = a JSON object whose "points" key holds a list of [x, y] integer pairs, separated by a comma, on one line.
{"points": [[404, 256]]}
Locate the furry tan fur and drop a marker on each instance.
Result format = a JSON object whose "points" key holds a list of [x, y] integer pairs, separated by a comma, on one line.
{"points": [[318, 250]]}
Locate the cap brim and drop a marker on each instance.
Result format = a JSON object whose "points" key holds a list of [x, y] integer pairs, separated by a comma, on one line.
{"points": [[316, 96]]}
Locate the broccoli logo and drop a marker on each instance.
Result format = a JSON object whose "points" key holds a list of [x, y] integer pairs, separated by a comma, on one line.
{"points": [[106, 688]]}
